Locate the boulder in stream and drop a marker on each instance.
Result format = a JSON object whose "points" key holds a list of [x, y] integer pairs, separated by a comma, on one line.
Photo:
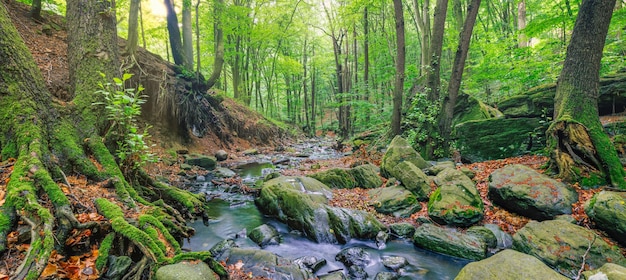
{"points": [[456, 201], [206, 162], [265, 264], [450, 242], [355, 259], [521, 189], [561, 245], [301, 203], [265, 235], [221, 155], [608, 211], [508, 265]]}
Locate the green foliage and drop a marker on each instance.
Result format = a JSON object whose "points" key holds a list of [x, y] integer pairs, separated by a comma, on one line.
{"points": [[123, 106]]}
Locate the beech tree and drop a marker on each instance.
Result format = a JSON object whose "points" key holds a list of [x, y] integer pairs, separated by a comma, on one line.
{"points": [[49, 141], [579, 145]]}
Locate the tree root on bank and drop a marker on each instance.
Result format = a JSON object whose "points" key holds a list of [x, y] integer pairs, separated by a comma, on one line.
{"points": [[574, 152]]}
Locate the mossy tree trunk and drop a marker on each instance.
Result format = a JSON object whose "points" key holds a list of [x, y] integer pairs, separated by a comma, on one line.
{"points": [[580, 148], [48, 141]]}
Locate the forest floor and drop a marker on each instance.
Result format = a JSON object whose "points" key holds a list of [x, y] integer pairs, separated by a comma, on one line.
{"points": [[47, 44]]}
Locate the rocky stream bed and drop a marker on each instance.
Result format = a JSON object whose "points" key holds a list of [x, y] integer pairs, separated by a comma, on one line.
{"points": [[283, 227]]}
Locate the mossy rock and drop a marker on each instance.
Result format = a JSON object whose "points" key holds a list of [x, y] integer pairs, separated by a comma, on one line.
{"points": [[609, 270], [265, 235], [206, 162], [396, 201], [366, 176], [499, 138], [300, 202], [508, 265], [485, 234], [469, 108], [449, 242], [457, 201], [260, 262], [403, 230], [187, 271], [608, 211], [539, 101], [521, 189], [399, 151], [336, 178], [413, 179], [560, 245]]}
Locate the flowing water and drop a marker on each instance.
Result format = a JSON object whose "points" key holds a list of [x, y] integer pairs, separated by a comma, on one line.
{"points": [[232, 214]]}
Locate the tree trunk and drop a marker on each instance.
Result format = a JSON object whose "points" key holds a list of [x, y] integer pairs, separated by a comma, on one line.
{"points": [[433, 80], [176, 44], [187, 35], [35, 11], [47, 144], [445, 119], [218, 61], [580, 147], [398, 89], [133, 27]]}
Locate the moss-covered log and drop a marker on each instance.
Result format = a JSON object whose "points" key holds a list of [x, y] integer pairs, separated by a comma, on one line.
{"points": [[580, 147], [46, 142]]}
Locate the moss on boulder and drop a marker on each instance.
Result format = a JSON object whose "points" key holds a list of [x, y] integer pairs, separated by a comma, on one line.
{"points": [[608, 211], [336, 178], [413, 179], [450, 242], [395, 200], [560, 245], [456, 201], [521, 189], [300, 202], [499, 138], [399, 151], [508, 265]]}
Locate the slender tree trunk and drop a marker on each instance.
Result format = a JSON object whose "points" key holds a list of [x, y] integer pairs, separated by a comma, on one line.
{"points": [[445, 119], [35, 11], [218, 61], [133, 26], [398, 89], [434, 81], [198, 41], [366, 62], [313, 87], [187, 35], [176, 44], [143, 34], [580, 147]]}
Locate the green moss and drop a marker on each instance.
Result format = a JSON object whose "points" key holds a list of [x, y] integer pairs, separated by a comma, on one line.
{"points": [[151, 220], [9, 150], [108, 209], [336, 178], [103, 251], [592, 181], [127, 230], [104, 157], [66, 141], [55, 194]]}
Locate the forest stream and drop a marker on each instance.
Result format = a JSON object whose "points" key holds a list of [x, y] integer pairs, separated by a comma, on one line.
{"points": [[233, 214]]}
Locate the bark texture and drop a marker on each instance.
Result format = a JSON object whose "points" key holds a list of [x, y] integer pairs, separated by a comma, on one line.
{"points": [[398, 90], [580, 148]]}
